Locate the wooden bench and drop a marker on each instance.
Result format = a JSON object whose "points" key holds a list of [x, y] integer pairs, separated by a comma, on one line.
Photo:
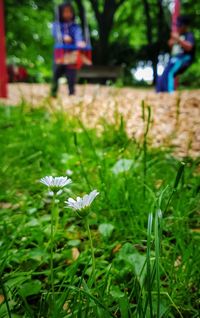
{"points": [[102, 73]]}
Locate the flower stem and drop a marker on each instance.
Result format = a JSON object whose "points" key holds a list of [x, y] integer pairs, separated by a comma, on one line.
{"points": [[92, 250], [52, 250]]}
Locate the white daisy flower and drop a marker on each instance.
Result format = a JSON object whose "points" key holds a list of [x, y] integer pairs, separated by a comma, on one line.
{"points": [[82, 203], [55, 183]]}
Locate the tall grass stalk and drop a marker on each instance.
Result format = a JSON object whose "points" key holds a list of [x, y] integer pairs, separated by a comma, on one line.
{"points": [[146, 121], [92, 147], [157, 233], [176, 183], [178, 102], [149, 282], [84, 174]]}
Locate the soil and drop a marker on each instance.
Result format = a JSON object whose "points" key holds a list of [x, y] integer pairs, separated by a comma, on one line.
{"points": [[175, 118]]}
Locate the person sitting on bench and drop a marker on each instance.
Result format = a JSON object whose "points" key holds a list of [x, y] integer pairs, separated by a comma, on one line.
{"points": [[182, 44]]}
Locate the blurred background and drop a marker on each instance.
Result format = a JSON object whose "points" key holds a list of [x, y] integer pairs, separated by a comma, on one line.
{"points": [[129, 39]]}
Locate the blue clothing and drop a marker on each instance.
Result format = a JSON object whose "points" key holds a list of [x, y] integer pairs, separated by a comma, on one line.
{"points": [[178, 50], [59, 30], [165, 82], [179, 61]]}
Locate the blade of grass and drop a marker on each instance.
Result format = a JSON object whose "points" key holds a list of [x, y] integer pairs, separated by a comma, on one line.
{"points": [[157, 258], [149, 283], [176, 183]]}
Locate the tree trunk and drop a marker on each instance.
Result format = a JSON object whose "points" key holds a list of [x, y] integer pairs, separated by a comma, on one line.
{"points": [[149, 34], [105, 23], [105, 28], [105, 19], [148, 22], [160, 33], [81, 12]]}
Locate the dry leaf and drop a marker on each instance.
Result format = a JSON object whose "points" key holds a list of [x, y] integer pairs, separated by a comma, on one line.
{"points": [[178, 261], [195, 230], [2, 299], [158, 183], [75, 253], [116, 248]]}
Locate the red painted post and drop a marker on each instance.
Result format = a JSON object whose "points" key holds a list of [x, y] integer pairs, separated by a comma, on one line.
{"points": [[3, 70], [175, 14]]}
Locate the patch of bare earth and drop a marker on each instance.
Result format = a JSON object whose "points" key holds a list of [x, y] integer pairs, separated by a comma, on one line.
{"points": [[175, 120]]}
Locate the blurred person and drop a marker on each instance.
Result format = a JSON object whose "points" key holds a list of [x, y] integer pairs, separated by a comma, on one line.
{"points": [[66, 31], [182, 44]]}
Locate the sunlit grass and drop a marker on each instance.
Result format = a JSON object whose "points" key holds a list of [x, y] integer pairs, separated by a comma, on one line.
{"points": [[144, 225]]}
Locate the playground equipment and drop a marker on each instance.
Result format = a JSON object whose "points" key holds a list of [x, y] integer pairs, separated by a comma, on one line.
{"points": [[71, 55], [3, 71], [175, 14], [67, 54]]}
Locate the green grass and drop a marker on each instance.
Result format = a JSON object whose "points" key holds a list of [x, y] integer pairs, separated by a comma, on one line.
{"points": [[144, 223]]}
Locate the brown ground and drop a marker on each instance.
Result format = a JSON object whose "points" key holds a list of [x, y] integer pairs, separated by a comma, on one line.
{"points": [[175, 118]]}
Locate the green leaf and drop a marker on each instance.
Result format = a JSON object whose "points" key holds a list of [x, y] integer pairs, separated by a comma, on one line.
{"points": [[15, 282], [134, 260], [38, 255], [116, 293], [124, 305], [74, 243], [30, 288], [122, 165], [32, 223], [106, 230]]}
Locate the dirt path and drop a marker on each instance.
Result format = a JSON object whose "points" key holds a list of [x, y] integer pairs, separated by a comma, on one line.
{"points": [[175, 118]]}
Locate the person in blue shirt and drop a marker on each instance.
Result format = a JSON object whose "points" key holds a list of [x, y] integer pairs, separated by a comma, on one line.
{"points": [[66, 31], [182, 45]]}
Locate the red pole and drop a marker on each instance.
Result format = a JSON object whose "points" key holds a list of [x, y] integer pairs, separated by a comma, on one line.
{"points": [[176, 13], [3, 70]]}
